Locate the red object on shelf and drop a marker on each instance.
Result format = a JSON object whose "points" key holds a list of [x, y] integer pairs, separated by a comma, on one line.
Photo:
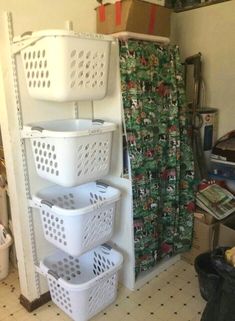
{"points": [[203, 184]]}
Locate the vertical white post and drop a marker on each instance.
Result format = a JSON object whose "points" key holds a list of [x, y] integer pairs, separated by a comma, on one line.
{"points": [[3, 207], [18, 185]]}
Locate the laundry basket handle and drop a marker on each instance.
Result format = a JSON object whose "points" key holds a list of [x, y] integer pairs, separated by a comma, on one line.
{"points": [[99, 121], [54, 274], [101, 184], [106, 249], [38, 128], [96, 127], [48, 203]]}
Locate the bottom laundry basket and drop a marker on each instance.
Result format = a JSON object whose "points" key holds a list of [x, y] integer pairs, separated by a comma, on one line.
{"points": [[5, 242], [83, 286]]}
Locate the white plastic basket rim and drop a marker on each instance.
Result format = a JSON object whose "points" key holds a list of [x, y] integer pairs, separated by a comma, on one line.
{"points": [[86, 285], [38, 201], [62, 33], [67, 128], [7, 238]]}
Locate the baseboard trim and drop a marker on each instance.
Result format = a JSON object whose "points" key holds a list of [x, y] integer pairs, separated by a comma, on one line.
{"points": [[33, 305]]}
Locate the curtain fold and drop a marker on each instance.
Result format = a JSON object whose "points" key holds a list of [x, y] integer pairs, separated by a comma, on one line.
{"points": [[159, 145]]}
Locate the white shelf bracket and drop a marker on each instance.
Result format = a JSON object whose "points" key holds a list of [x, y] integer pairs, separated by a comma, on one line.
{"points": [[18, 45]]}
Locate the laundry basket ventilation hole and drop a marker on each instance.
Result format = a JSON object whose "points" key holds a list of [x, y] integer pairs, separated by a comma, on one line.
{"points": [[65, 201], [45, 157], [54, 227], [60, 295], [67, 268], [37, 71], [101, 264], [98, 224], [94, 198], [87, 69], [103, 292], [93, 157]]}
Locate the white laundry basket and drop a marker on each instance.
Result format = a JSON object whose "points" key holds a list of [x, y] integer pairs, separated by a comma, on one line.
{"points": [[79, 218], [71, 152], [63, 65], [83, 286], [5, 242]]}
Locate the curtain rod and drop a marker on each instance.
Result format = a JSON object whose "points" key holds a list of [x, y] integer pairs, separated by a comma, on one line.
{"points": [[125, 35]]}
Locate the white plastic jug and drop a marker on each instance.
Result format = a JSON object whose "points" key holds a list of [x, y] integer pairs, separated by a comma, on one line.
{"points": [[5, 242]]}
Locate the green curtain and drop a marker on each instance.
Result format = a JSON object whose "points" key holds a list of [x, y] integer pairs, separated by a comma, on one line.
{"points": [[159, 145]]}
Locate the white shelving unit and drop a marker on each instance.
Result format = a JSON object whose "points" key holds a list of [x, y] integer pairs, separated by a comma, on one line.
{"points": [[18, 109]]}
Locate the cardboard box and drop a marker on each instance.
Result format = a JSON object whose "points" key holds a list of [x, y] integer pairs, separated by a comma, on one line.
{"points": [[205, 217], [204, 236], [134, 16], [190, 256], [227, 232]]}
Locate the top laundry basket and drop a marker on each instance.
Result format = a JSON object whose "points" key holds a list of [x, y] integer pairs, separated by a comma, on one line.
{"points": [[62, 65]]}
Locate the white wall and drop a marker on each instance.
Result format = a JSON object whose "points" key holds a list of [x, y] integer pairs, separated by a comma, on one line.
{"points": [[211, 30], [43, 14]]}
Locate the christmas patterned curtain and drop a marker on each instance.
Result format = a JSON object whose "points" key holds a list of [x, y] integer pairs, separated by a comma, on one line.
{"points": [[159, 145]]}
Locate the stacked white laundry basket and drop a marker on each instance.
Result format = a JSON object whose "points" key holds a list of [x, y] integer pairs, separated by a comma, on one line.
{"points": [[77, 213]]}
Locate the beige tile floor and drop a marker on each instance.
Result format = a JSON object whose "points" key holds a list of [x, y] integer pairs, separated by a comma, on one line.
{"points": [[171, 296]]}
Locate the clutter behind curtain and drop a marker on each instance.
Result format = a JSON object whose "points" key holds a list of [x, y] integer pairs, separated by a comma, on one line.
{"points": [[159, 146]]}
